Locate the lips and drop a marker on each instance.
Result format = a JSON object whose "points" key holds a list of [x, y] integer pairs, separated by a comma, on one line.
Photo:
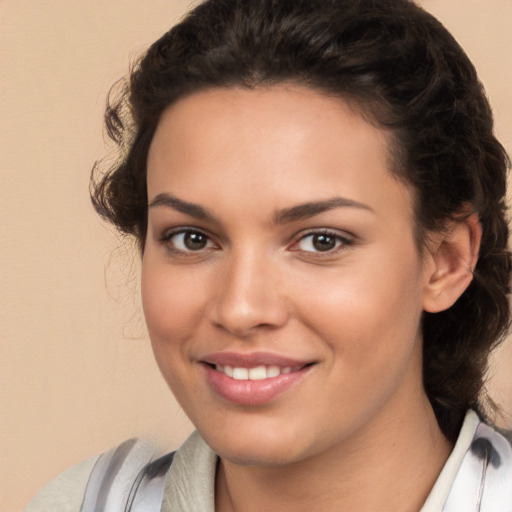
{"points": [[252, 379]]}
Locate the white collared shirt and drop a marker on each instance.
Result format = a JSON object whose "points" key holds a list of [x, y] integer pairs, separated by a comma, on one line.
{"points": [[190, 483]]}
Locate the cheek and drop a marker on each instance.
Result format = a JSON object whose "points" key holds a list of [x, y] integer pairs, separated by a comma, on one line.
{"points": [[171, 306], [370, 323], [171, 302], [370, 312]]}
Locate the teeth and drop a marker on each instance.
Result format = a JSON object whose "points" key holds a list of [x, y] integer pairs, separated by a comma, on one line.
{"points": [[273, 371], [257, 373], [240, 374]]}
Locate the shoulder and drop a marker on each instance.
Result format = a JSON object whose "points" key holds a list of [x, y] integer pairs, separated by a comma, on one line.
{"points": [[65, 493], [128, 478], [478, 473], [109, 481], [485, 475]]}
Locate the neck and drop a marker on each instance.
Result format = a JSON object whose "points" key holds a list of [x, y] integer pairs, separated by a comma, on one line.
{"points": [[390, 466]]}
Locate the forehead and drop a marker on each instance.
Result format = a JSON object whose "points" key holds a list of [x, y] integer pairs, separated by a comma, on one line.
{"points": [[288, 140]]}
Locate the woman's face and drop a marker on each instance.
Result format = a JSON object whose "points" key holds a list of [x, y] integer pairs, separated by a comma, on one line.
{"points": [[281, 284]]}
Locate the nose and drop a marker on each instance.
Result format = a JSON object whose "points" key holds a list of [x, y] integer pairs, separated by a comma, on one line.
{"points": [[249, 296]]}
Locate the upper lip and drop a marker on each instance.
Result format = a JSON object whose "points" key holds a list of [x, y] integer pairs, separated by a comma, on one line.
{"points": [[250, 360]]}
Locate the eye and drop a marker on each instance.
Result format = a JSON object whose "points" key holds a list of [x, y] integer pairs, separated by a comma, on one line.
{"points": [[188, 241], [321, 242]]}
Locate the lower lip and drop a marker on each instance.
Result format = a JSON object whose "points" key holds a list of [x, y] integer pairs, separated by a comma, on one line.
{"points": [[252, 392]]}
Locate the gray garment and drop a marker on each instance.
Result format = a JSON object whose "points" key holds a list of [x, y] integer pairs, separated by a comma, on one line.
{"points": [[477, 477], [191, 482]]}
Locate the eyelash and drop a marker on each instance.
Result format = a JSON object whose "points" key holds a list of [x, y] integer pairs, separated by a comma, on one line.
{"points": [[341, 242], [166, 239]]}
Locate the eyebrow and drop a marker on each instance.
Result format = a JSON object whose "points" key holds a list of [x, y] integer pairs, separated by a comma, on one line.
{"points": [[294, 213], [194, 210], [307, 210]]}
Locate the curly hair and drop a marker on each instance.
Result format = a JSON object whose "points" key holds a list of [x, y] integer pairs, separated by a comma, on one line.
{"points": [[405, 73]]}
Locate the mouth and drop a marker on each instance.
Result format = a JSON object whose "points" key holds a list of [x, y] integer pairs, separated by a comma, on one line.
{"points": [[260, 372], [251, 380]]}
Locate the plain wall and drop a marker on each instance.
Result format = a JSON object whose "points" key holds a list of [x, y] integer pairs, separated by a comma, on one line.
{"points": [[76, 371]]}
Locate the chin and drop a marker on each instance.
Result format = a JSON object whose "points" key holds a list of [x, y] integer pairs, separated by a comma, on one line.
{"points": [[262, 455], [258, 445]]}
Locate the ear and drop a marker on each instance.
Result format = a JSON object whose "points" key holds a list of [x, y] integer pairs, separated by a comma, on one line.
{"points": [[453, 256]]}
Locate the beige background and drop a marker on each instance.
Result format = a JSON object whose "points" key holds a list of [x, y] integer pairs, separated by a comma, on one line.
{"points": [[76, 372]]}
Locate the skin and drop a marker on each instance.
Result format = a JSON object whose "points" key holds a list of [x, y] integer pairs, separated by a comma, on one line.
{"points": [[357, 432]]}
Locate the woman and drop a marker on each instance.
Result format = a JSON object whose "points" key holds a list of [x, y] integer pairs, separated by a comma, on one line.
{"points": [[318, 198]]}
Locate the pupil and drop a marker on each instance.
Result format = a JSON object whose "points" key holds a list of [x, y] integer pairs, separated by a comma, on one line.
{"points": [[324, 242], [195, 241]]}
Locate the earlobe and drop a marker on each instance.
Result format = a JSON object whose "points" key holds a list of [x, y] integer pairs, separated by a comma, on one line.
{"points": [[453, 257]]}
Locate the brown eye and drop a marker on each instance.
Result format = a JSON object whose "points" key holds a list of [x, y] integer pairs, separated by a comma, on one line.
{"points": [[189, 241], [195, 241], [321, 242]]}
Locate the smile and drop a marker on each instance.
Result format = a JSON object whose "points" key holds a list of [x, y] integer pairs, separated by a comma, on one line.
{"points": [[260, 372], [253, 379]]}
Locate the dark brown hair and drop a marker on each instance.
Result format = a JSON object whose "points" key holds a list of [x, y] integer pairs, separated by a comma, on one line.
{"points": [[407, 74]]}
